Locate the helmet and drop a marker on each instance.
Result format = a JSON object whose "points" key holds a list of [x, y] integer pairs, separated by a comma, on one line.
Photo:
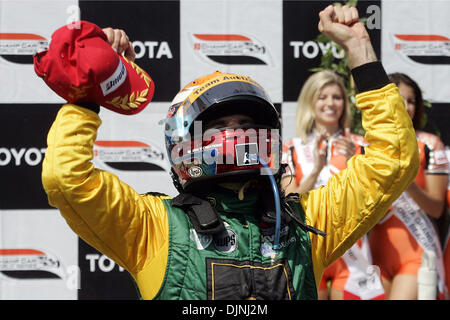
{"points": [[237, 153]]}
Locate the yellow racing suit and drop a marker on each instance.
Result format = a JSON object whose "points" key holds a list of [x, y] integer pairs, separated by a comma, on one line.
{"points": [[133, 230]]}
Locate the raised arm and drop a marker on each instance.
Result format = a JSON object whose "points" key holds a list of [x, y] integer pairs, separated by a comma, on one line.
{"points": [[104, 211], [341, 25], [355, 199]]}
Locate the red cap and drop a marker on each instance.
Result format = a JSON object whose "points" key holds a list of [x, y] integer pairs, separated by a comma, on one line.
{"points": [[81, 66]]}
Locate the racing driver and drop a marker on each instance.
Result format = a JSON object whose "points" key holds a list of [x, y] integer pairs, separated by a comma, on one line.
{"points": [[231, 233]]}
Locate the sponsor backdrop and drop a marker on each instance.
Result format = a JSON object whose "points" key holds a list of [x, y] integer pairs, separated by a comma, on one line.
{"points": [[175, 41]]}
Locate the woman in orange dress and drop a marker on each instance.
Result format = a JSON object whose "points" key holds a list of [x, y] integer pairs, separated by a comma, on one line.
{"points": [[400, 238], [321, 148]]}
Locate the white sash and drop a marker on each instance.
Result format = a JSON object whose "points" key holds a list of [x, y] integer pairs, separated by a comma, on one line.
{"points": [[421, 228], [364, 279]]}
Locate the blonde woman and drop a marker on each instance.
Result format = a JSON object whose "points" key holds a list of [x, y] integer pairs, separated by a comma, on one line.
{"points": [[322, 134], [321, 148]]}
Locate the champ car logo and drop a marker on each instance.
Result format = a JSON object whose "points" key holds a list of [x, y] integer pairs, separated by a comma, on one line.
{"points": [[20, 47], [25, 263], [422, 48], [231, 49], [129, 155]]}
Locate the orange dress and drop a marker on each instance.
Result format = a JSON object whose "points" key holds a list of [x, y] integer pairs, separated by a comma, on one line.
{"points": [[399, 239], [349, 273]]}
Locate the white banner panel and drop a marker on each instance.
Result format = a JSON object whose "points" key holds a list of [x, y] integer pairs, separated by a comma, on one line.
{"points": [[288, 111], [243, 37], [416, 41], [38, 256], [26, 28], [133, 148]]}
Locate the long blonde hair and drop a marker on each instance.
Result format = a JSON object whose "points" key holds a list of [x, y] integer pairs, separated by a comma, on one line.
{"points": [[308, 96]]}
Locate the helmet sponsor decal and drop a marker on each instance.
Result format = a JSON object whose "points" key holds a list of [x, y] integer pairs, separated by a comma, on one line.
{"points": [[182, 95], [246, 154], [172, 110], [220, 79], [195, 171]]}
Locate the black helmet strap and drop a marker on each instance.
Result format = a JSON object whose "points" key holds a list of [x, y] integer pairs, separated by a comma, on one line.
{"points": [[202, 214]]}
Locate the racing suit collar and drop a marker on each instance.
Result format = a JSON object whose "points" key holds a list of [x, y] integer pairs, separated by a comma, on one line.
{"points": [[227, 200]]}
